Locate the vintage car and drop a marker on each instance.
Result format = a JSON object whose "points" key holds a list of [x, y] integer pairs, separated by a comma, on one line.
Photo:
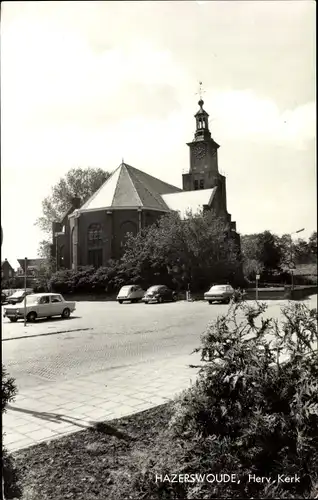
{"points": [[159, 293], [40, 305], [18, 296], [133, 293], [221, 293]]}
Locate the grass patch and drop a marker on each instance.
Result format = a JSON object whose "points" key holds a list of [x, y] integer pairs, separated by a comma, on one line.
{"points": [[91, 464]]}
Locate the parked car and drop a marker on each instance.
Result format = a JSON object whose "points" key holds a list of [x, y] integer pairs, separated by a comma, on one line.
{"points": [[133, 293], [4, 299], [19, 295], [159, 293], [220, 293], [40, 305]]}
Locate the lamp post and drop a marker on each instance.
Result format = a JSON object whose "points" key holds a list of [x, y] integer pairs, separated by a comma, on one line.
{"points": [[291, 256]]}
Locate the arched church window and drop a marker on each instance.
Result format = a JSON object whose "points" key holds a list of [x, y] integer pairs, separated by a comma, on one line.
{"points": [[201, 183], [94, 235], [95, 245]]}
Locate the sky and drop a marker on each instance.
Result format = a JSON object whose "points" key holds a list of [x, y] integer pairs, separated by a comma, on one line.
{"points": [[92, 83]]}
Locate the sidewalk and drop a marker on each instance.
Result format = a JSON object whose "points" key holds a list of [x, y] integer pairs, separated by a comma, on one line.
{"points": [[51, 411]]}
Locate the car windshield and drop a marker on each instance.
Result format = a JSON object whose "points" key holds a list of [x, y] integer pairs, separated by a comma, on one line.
{"points": [[17, 295], [154, 288], [125, 288], [218, 288]]}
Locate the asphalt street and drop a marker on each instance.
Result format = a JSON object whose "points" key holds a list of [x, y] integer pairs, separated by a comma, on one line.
{"points": [[108, 336]]}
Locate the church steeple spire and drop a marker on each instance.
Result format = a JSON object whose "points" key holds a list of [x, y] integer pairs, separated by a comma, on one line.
{"points": [[202, 131], [202, 120]]}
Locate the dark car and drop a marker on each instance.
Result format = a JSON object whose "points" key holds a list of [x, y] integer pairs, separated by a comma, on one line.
{"points": [[159, 293], [18, 296], [4, 299]]}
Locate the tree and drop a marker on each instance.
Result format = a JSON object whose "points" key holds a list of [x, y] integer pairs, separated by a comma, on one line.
{"points": [[251, 264], [268, 251], [261, 252], [78, 182], [197, 250], [312, 244]]}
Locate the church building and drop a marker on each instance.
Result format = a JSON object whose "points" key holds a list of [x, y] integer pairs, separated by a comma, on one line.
{"points": [[129, 200]]}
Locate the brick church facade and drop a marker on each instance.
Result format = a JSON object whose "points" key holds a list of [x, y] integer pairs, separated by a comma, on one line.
{"points": [[129, 200]]}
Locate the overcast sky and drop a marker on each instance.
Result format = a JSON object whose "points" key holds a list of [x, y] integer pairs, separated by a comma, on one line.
{"points": [[89, 83]]}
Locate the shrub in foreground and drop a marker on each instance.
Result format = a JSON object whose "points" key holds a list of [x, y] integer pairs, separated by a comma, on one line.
{"points": [[10, 474], [253, 412]]}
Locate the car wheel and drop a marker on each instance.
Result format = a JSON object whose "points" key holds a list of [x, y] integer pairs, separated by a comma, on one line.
{"points": [[13, 320], [49, 317], [227, 301], [31, 317], [66, 313], [120, 302], [145, 302], [160, 300], [210, 302]]}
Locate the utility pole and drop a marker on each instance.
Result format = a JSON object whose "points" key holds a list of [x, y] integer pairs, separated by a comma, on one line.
{"points": [[25, 287], [292, 265], [256, 281]]}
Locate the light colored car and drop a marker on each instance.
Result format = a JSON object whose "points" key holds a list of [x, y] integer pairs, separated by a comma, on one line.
{"points": [[40, 305], [220, 293], [133, 293]]}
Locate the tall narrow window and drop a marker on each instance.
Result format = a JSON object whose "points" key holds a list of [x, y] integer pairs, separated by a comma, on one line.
{"points": [[95, 257], [94, 235], [201, 183], [196, 185], [72, 247], [95, 245]]}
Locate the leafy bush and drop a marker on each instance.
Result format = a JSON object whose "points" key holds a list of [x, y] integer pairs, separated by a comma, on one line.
{"points": [[9, 472], [253, 410], [86, 279]]}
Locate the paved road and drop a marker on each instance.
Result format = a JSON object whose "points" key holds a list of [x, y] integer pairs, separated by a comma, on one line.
{"points": [[116, 335]]}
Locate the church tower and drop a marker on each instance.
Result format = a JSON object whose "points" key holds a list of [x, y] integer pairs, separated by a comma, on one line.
{"points": [[203, 172]]}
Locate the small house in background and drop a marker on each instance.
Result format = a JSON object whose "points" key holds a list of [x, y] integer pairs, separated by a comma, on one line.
{"points": [[35, 267], [7, 271]]}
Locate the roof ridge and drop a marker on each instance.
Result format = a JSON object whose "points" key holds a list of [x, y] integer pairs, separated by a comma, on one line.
{"points": [[156, 196], [132, 182], [153, 177], [100, 188]]}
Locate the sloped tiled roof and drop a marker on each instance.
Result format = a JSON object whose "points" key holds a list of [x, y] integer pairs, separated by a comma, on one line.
{"points": [[129, 187], [3, 262], [186, 201]]}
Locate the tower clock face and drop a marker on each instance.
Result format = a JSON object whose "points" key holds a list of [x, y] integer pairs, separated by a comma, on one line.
{"points": [[199, 151]]}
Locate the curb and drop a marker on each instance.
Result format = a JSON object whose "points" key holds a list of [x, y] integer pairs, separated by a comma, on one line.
{"points": [[44, 334]]}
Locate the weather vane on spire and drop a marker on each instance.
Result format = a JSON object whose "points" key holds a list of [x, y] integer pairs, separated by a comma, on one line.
{"points": [[201, 91]]}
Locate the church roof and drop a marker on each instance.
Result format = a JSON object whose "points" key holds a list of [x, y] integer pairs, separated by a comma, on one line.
{"points": [[186, 201], [129, 187]]}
